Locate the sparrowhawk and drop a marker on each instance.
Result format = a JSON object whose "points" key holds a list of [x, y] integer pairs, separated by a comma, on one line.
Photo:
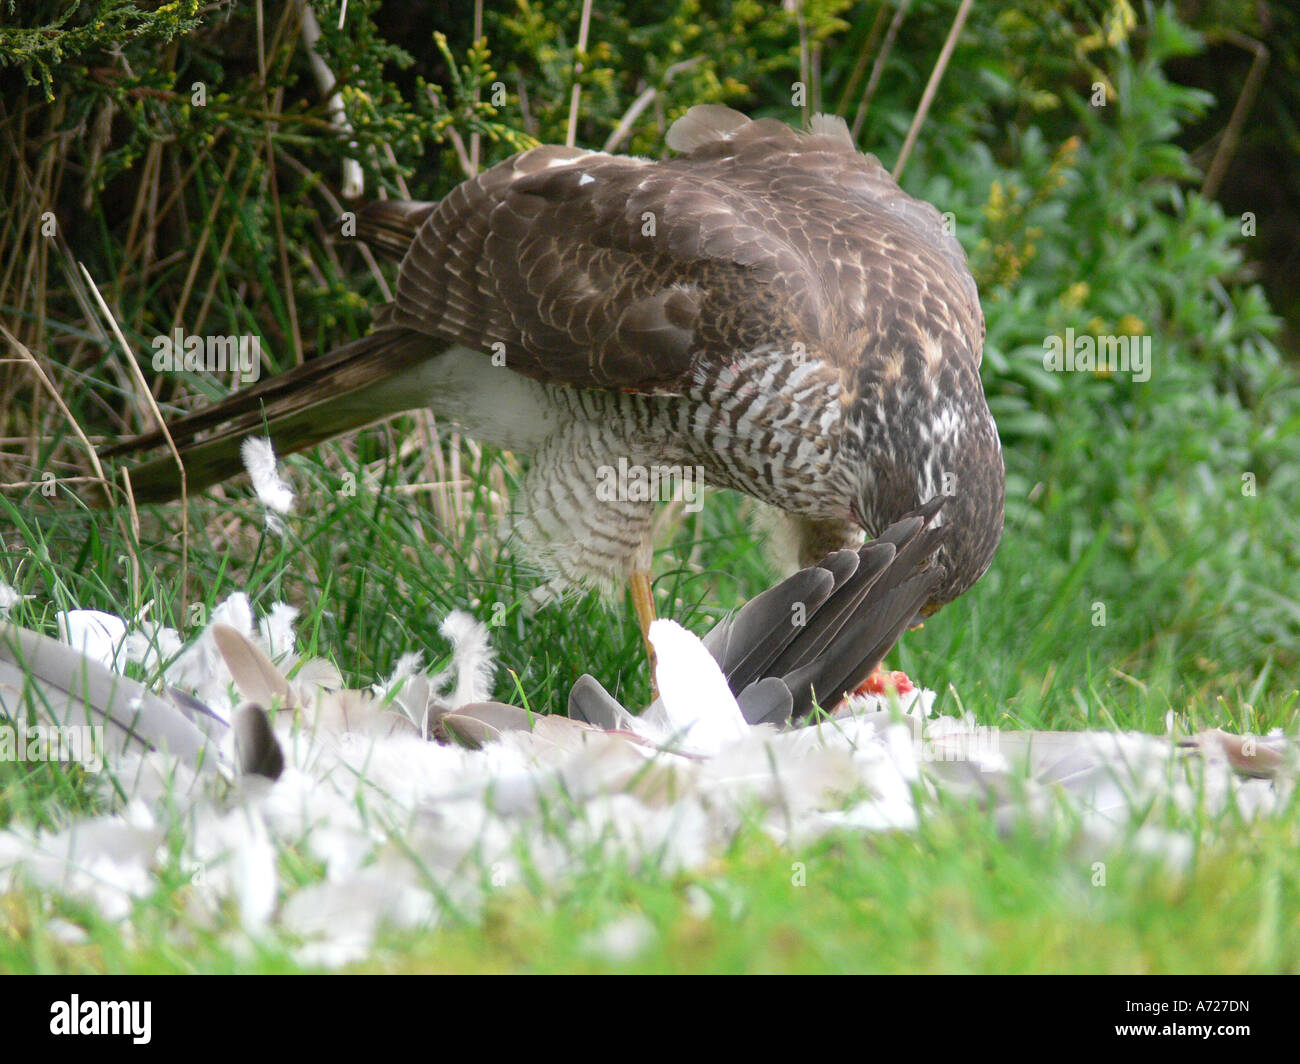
{"points": [[765, 305]]}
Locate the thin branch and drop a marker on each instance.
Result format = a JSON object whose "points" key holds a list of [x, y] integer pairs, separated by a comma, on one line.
{"points": [[354, 181], [643, 101], [860, 66], [461, 154], [803, 58], [583, 27], [936, 75], [1232, 133], [630, 116], [878, 68], [475, 137]]}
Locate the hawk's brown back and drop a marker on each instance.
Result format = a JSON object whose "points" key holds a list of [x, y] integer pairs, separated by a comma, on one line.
{"points": [[621, 273]]}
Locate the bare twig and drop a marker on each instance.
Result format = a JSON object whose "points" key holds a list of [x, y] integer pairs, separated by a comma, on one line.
{"points": [[643, 101], [816, 75], [461, 154], [803, 56], [1232, 133], [878, 68], [583, 27], [860, 66], [629, 118], [936, 75], [475, 137], [354, 180]]}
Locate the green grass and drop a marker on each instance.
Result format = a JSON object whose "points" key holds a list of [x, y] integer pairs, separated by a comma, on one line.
{"points": [[954, 897]]}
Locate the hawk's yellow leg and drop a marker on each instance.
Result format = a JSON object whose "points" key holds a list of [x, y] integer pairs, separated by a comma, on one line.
{"points": [[644, 603]]}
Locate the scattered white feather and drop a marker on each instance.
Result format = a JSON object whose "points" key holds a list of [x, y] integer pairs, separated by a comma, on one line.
{"points": [[621, 940], [918, 702], [152, 646], [201, 670], [338, 920], [276, 630], [403, 827], [9, 598], [473, 661], [407, 666], [700, 708], [99, 636], [272, 490]]}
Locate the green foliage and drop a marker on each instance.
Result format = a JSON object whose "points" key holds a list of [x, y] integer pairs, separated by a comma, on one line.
{"points": [[60, 35], [1100, 235]]}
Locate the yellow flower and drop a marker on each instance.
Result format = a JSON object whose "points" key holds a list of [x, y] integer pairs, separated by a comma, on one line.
{"points": [[1074, 296]]}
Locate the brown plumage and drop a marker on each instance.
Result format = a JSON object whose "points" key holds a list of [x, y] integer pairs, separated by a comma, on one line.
{"points": [[767, 305]]}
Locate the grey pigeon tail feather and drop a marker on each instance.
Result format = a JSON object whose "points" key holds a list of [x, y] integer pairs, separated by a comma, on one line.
{"points": [[863, 600], [768, 701], [852, 630], [821, 627], [590, 703], [746, 644], [861, 644], [906, 527], [863, 636], [856, 605], [59, 683]]}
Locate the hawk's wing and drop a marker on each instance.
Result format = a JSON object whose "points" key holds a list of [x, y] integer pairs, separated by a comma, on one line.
{"points": [[607, 271]]}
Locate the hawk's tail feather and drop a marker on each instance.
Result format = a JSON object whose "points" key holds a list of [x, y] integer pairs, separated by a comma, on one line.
{"points": [[389, 226], [346, 389]]}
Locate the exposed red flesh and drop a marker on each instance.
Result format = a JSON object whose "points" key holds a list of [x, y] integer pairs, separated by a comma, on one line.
{"points": [[880, 681]]}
